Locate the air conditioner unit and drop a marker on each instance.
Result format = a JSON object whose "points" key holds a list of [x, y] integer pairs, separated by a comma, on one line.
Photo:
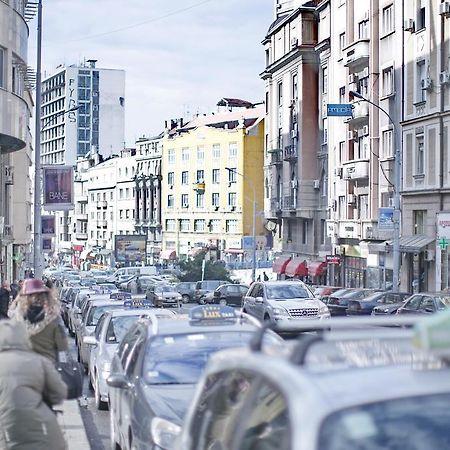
{"points": [[365, 130], [293, 134], [409, 25], [294, 42], [444, 9], [364, 73], [316, 184], [369, 233], [426, 84], [351, 198], [429, 255], [444, 77], [294, 184], [338, 172], [352, 135], [352, 78]]}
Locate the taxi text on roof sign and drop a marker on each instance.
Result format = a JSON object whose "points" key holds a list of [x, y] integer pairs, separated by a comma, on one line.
{"points": [[120, 296], [212, 312], [138, 303]]}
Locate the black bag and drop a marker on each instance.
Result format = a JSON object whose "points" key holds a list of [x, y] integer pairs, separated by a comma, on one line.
{"points": [[72, 373]]}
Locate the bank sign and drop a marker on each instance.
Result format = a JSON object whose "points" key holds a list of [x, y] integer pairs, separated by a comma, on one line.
{"points": [[58, 188]]}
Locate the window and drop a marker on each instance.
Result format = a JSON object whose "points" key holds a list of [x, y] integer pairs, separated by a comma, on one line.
{"points": [[341, 42], [325, 131], [324, 80], [420, 156], [323, 231], [120, 213], [388, 19], [216, 176], [199, 225], [341, 156], [363, 29], [216, 151], [215, 199], [419, 221], [305, 232], [170, 202], [185, 154], [232, 226], [214, 225], [342, 207], [363, 207], [363, 86], [388, 81], [171, 156], [127, 214], [387, 149], [232, 199], [421, 18], [184, 200], [2, 67], [232, 150], [295, 87], [200, 153], [232, 175], [200, 200], [127, 193], [120, 194], [361, 148], [185, 177], [421, 94], [200, 176], [342, 98], [184, 225], [170, 225], [280, 94], [171, 178]]}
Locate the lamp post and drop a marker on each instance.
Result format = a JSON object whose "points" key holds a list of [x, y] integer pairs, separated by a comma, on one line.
{"points": [[254, 220], [396, 186]]}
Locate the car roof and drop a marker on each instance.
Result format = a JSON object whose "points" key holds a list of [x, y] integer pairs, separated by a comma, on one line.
{"points": [[279, 282], [140, 311]]}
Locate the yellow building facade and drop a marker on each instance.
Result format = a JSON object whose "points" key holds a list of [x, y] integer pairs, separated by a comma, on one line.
{"points": [[212, 171]]}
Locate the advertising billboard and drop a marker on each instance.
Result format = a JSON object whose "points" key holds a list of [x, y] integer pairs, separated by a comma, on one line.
{"points": [[47, 244], [48, 225], [130, 248], [386, 218], [58, 188]]}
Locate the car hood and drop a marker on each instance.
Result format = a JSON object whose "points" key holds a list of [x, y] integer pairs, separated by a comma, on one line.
{"points": [[170, 402], [296, 304], [167, 294], [388, 306]]}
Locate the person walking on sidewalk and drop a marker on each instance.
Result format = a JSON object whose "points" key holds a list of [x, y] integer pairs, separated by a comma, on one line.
{"points": [[5, 297], [29, 387], [39, 309]]}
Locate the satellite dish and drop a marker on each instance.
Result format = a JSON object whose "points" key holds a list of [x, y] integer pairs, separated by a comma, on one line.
{"points": [[271, 226]]}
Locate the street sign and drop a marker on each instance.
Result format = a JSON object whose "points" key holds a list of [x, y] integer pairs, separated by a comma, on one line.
{"points": [[339, 109], [333, 259], [386, 218]]}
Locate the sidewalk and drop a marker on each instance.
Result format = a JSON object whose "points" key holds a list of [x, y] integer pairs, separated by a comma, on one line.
{"points": [[72, 426]]}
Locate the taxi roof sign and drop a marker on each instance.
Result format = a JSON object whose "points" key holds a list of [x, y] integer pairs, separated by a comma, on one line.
{"points": [[120, 296], [433, 334], [137, 303], [212, 312]]}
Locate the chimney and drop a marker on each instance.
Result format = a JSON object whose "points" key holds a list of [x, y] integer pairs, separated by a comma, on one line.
{"points": [[92, 63]]}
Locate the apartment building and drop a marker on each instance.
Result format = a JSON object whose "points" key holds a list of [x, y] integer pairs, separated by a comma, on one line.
{"points": [[15, 140], [99, 120], [211, 180]]}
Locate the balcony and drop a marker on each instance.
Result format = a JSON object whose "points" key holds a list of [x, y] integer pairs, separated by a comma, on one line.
{"points": [[357, 54], [350, 229], [360, 113], [290, 153], [276, 157], [102, 223], [355, 170], [82, 199], [81, 236], [289, 203], [102, 204], [80, 216]]}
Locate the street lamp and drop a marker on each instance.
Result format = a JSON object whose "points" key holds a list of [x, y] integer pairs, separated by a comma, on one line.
{"points": [[254, 219], [396, 186]]}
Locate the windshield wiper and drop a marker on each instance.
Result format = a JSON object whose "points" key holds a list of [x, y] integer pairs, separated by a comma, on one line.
{"points": [[170, 383]]}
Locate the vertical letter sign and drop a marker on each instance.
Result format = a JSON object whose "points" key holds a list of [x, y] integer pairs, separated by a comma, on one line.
{"points": [[58, 188], [48, 226]]}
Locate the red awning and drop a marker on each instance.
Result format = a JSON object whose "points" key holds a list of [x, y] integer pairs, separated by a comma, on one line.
{"points": [[234, 251], [316, 268], [168, 255], [296, 268], [279, 265]]}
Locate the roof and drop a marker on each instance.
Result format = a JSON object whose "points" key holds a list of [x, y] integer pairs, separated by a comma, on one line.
{"points": [[235, 103], [414, 243]]}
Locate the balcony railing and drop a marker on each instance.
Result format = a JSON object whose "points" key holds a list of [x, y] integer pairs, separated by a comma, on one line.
{"points": [[275, 204], [276, 157], [357, 53], [355, 170], [81, 236], [289, 203], [290, 153]]}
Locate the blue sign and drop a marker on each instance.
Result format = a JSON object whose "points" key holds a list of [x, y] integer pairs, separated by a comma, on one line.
{"points": [[386, 218], [339, 109], [247, 242]]}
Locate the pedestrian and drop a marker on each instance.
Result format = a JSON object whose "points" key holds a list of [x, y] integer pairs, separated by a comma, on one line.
{"points": [[259, 278], [39, 309], [29, 387], [138, 286], [5, 297], [266, 278]]}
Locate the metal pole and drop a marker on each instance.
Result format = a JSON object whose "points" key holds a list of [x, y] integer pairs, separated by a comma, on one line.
{"points": [[37, 250], [254, 237]]}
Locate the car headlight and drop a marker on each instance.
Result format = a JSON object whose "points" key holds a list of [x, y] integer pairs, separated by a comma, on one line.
{"points": [[164, 433], [323, 310], [280, 312], [179, 297]]}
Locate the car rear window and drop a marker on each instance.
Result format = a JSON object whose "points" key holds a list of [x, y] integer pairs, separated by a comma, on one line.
{"points": [[96, 312], [419, 423]]}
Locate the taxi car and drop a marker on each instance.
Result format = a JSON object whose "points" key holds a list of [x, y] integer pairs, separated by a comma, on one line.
{"points": [[325, 394], [158, 363], [283, 303], [109, 332]]}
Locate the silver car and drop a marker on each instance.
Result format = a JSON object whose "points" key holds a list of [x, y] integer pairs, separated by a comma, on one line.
{"points": [[284, 303], [108, 334]]}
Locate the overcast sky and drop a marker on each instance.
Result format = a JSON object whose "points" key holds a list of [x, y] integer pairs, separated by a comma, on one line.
{"points": [[185, 57]]}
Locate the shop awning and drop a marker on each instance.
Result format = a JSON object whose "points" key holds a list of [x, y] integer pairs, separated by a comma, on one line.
{"points": [[296, 268], [279, 265], [234, 251], [413, 244], [316, 268], [167, 255]]}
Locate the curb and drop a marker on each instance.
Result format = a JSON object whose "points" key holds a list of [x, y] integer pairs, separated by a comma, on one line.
{"points": [[72, 426]]}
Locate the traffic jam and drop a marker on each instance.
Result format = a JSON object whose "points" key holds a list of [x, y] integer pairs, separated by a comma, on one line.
{"points": [[279, 364]]}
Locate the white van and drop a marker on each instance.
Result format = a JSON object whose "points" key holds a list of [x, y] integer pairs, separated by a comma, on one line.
{"points": [[126, 272]]}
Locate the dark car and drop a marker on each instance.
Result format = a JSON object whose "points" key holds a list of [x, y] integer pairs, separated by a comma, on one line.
{"points": [[338, 302], [187, 290], [387, 308], [228, 294], [205, 286], [425, 303], [365, 305], [323, 292]]}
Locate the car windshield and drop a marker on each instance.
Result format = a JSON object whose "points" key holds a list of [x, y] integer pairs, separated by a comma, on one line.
{"points": [[419, 423], [181, 359], [287, 291], [96, 312], [118, 327], [165, 288]]}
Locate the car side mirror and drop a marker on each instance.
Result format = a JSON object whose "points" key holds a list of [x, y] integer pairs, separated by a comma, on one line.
{"points": [[118, 381], [90, 340], [259, 300]]}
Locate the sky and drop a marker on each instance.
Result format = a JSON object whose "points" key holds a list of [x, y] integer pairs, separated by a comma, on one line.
{"points": [[181, 57]]}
